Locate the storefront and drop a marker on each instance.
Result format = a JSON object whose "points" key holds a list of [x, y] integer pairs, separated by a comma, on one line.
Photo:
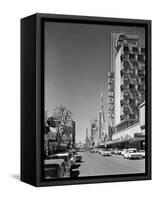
{"points": [[137, 141]]}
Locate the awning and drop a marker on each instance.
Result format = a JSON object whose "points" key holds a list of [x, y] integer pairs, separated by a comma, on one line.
{"points": [[120, 141]]}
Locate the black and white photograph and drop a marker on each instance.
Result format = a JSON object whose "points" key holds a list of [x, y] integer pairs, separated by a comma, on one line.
{"points": [[94, 100]]}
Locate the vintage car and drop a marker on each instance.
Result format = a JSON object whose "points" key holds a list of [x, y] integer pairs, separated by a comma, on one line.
{"points": [[92, 150], [106, 152], [67, 160], [132, 153], [82, 150], [117, 152], [100, 150], [78, 158], [142, 152], [96, 150], [124, 151], [75, 157], [72, 158], [54, 168]]}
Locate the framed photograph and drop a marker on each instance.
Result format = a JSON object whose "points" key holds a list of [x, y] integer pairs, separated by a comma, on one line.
{"points": [[85, 99]]}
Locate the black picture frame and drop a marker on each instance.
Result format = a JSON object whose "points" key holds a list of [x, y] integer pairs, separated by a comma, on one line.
{"points": [[32, 98]]}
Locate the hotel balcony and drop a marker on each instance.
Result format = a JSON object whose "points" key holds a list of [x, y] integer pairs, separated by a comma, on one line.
{"points": [[124, 101], [132, 117], [138, 102], [133, 78], [123, 87], [123, 71], [126, 65], [142, 66], [129, 117], [142, 51], [135, 65], [135, 50], [134, 108], [124, 57], [141, 73], [141, 58], [131, 71], [133, 94], [132, 57], [142, 80], [141, 88], [142, 95], [125, 110], [126, 49], [125, 79]]}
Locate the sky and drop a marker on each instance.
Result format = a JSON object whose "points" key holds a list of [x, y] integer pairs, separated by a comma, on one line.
{"points": [[77, 62]]}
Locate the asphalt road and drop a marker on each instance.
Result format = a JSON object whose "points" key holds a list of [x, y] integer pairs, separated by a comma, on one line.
{"points": [[93, 164]]}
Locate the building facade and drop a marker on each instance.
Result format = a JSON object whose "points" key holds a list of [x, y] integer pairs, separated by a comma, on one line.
{"points": [[126, 85]]}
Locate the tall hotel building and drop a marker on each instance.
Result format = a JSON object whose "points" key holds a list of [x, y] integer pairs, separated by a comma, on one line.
{"points": [[126, 89]]}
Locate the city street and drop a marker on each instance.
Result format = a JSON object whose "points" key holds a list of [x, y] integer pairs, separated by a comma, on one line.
{"points": [[94, 164]]}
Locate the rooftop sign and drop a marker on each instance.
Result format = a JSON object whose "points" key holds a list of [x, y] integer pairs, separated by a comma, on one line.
{"points": [[125, 39]]}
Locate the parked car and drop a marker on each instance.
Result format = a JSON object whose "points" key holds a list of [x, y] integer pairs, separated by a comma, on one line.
{"points": [[75, 157], [106, 152], [124, 151], [67, 160], [96, 150], [100, 150], [142, 152], [72, 158], [78, 158], [54, 168], [82, 149], [112, 150], [117, 151], [132, 153], [92, 150]]}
